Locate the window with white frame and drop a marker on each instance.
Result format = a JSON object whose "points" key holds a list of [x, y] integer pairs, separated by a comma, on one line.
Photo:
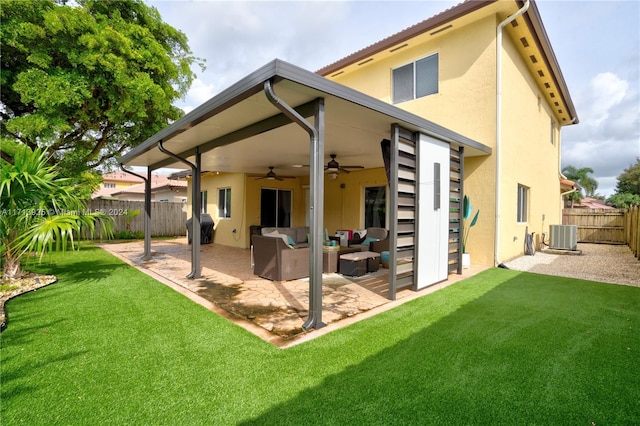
{"points": [[523, 204], [415, 80], [224, 203], [203, 201], [109, 185], [553, 133]]}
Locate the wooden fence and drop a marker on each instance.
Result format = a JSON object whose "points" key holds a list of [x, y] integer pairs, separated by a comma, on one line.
{"points": [[597, 225], [632, 229], [167, 219], [607, 226]]}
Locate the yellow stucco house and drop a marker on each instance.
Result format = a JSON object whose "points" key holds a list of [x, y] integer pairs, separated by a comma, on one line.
{"points": [[456, 52], [468, 102], [457, 56]]}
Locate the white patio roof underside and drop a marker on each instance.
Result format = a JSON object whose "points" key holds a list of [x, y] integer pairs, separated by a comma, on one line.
{"points": [[240, 130]]}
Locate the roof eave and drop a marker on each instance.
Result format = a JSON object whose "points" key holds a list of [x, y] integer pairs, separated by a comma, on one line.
{"points": [[534, 21], [280, 70], [429, 24]]}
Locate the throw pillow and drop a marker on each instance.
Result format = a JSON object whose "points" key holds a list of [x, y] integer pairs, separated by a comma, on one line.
{"points": [[292, 242], [369, 240]]}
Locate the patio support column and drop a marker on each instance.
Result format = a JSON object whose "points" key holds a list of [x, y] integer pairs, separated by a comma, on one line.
{"points": [[147, 210], [316, 154], [195, 208]]}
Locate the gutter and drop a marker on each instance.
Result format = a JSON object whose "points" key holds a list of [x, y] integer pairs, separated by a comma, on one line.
{"points": [[523, 9]]}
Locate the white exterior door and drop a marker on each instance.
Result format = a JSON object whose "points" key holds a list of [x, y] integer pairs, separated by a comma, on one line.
{"points": [[433, 211]]}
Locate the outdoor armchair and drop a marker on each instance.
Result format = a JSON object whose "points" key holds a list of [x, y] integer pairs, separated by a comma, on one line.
{"points": [[275, 260]]}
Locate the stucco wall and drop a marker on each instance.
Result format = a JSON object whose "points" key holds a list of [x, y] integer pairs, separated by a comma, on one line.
{"points": [[530, 157], [466, 103], [343, 209]]}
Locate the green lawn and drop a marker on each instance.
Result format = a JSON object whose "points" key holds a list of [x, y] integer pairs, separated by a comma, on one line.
{"points": [[109, 345]]}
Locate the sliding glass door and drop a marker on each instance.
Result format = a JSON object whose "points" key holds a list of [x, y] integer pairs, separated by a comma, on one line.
{"points": [[275, 207]]}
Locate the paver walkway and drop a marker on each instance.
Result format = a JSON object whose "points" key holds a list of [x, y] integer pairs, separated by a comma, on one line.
{"points": [[273, 310]]}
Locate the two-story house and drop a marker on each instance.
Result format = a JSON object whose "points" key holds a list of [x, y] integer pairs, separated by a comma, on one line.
{"points": [[499, 84], [468, 102]]}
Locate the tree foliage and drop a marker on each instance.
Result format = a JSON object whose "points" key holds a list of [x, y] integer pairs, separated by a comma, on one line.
{"points": [[86, 82], [39, 210], [581, 176], [629, 180], [623, 201]]}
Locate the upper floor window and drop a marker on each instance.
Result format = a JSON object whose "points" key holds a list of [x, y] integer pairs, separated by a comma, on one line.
{"points": [[109, 185], [415, 80]]}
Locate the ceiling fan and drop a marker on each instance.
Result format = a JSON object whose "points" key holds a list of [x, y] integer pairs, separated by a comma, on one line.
{"points": [[334, 167], [271, 175]]}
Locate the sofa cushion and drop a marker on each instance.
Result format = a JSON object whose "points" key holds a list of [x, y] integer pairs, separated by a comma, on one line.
{"points": [[283, 237]]}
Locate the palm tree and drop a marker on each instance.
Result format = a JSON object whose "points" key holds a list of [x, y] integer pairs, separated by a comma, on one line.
{"points": [[582, 178], [39, 211]]}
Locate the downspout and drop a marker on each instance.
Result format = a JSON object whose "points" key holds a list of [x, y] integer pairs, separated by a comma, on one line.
{"points": [[147, 210], [195, 209], [575, 188], [496, 252], [316, 136]]}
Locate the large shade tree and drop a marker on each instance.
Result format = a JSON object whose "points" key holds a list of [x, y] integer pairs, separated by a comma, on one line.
{"points": [[39, 210], [87, 80]]}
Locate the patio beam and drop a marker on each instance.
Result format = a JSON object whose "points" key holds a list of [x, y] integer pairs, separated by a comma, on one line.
{"points": [[268, 124], [316, 156]]}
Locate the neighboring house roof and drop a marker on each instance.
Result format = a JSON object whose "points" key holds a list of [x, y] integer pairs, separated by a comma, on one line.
{"points": [[536, 45], [158, 183], [103, 192], [121, 177], [592, 203], [568, 185]]}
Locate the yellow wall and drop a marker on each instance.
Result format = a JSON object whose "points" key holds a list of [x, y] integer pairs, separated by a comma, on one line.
{"points": [[466, 103], [344, 198], [344, 202], [529, 156], [224, 226]]}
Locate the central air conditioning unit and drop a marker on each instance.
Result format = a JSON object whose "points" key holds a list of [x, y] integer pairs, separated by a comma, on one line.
{"points": [[564, 237]]}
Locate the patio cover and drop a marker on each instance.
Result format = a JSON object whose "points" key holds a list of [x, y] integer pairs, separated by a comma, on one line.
{"points": [[243, 129]]}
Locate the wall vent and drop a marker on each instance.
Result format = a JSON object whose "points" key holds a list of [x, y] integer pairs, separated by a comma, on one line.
{"points": [[564, 237]]}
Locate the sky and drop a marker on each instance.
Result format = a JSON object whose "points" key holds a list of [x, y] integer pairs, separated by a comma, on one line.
{"points": [[596, 43]]}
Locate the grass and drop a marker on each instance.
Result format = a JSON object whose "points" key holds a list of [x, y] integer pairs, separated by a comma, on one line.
{"points": [[109, 345]]}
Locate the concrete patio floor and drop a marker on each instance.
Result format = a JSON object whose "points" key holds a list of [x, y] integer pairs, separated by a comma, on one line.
{"points": [[275, 311]]}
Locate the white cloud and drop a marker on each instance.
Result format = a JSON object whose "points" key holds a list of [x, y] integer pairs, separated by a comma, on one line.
{"points": [[607, 91], [198, 93], [608, 136]]}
